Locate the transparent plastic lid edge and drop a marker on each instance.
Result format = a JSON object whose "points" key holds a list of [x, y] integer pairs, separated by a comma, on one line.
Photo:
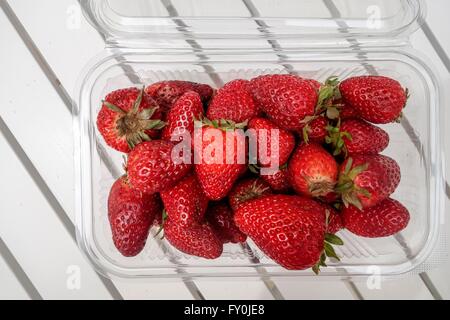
{"points": [[144, 23]]}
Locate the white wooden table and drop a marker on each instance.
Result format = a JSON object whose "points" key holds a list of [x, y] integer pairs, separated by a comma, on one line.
{"points": [[43, 46]]}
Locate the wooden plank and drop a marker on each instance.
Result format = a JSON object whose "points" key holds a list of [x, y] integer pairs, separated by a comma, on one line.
{"points": [[440, 275], [35, 236], [59, 42], [294, 289], [56, 163], [242, 289], [315, 289], [67, 74], [410, 288], [11, 288], [439, 23]]}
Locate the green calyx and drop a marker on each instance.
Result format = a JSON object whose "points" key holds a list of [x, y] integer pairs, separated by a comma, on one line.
{"points": [[336, 137], [330, 240], [223, 124], [328, 251], [328, 92], [133, 124], [307, 127], [346, 187]]}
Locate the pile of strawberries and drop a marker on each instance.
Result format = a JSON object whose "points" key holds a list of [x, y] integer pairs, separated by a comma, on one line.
{"points": [[322, 170]]}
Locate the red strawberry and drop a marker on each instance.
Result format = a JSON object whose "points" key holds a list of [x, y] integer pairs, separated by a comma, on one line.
{"points": [[130, 214], [315, 84], [246, 190], [377, 99], [289, 229], [345, 110], [263, 134], [286, 99], [234, 101], [385, 219], [220, 217], [151, 168], [197, 239], [315, 129], [312, 170], [278, 181], [185, 202], [220, 155], [335, 222], [366, 138], [128, 117], [366, 180], [180, 119], [167, 92]]}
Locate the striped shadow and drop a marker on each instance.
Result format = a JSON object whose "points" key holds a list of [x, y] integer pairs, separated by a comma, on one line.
{"points": [[19, 273], [254, 12], [115, 173], [21, 154], [270, 285], [405, 123]]}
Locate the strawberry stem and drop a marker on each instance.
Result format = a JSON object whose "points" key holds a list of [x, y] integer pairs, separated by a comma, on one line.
{"points": [[138, 101], [336, 137], [223, 124], [346, 186], [328, 251], [327, 93]]}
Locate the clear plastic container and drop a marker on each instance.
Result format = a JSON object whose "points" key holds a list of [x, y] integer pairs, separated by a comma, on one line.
{"points": [[149, 41]]}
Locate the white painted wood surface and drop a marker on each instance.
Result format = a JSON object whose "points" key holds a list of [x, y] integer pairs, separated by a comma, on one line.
{"points": [[41, 124]]}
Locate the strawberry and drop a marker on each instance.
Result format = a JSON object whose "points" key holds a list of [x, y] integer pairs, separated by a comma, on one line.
{"points": [[383, 220], [345, 110], [234, 101], [279, 181], [151, 169], [128, 117], [335, 222], [220, 155], [312, 170], [246, 190], [315, 84], [263, 130], [285, 99], [377, 99], [315, 129], [355, 136], [167, 92], [197, 239], [180, 118], [289, 229], [130, 214], [366, 180], [220, 217], [185, 202]]}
